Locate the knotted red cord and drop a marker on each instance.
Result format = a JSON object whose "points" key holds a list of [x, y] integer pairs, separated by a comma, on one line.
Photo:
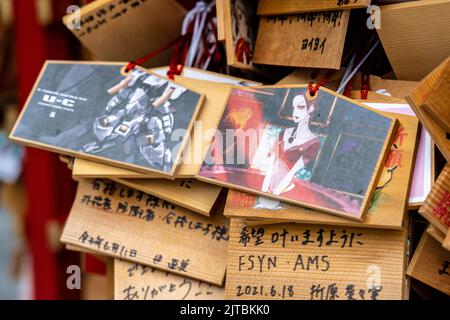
{"points": [[314, 88]]}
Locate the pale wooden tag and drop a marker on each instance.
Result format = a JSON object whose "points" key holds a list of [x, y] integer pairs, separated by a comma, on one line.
{"points": [[272, 7], [188, 193], [437, 102], [94, 287], [134, 281], [390, 199], [295, 261], [431, 264], [409, 33], [418, 99], [220, 20], [124, 223], [446, 243], [436, 208], [314, 40], [435, 233], [85, 169], [116, 30]]}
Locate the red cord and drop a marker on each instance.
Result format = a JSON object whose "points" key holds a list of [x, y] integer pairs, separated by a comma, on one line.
{"points": [[178, 58], [132, 64], [349, 87], [365, 86], [314, 88]]}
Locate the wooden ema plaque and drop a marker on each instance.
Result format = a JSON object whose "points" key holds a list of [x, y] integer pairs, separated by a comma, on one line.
{"points": [[426, 93], [240, 28], [437, 205], [437, 104], [410, 36], [314, 262], [89, 110], [435, 233], [388, 206], [85, 169], [125, 223], [304, 150], [313, 40], [187, 193], [134, 281], [220, 12], [273, 7], [116, 30], [446, 243], [431, 264]]}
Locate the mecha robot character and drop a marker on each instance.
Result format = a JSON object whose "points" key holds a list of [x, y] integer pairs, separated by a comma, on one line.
{"points": [[160, 127], [125, 113], [141, 105]]}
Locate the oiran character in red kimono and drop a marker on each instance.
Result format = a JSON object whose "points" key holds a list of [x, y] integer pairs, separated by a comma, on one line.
{"points": [[241, 33], [294, 148]]}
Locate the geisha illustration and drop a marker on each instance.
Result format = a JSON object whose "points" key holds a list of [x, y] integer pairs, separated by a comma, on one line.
{"points": [[242, 35], [294, 148], [317, 151]]}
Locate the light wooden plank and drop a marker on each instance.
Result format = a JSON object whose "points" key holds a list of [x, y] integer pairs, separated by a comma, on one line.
{"points": [[437, 102], [187, 193], [410, 36], [123, 223], [279, 262], [134, 281], [273, 7], [436, 208], [430, 264], [113, 34], [313, 40], [446, 243], [435, 233], [418, 99], [220, 20]]}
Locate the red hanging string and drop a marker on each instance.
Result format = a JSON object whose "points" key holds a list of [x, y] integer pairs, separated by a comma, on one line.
{"points": [[314, 88], [348, 88], [365, 86], [132, 64], [178, 58]]}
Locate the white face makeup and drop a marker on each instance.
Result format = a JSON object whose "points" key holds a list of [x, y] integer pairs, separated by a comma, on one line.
{"points": [[299, 110]]}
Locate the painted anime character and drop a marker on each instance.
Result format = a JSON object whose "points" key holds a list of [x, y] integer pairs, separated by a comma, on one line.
{"points": [[140, 106], [241, 33], [160, 127], [294, 148]]}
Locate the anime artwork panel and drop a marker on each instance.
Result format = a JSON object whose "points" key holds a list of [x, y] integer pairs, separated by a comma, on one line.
{"points": [[93, 109], [318, 150]]}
